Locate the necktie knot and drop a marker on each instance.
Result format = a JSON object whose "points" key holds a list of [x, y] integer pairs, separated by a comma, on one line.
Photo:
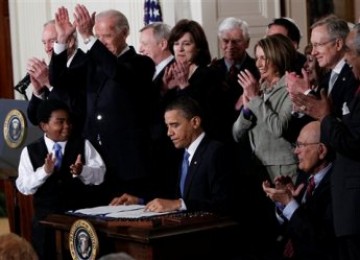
{"points": [[58, 155], [184, 171]]}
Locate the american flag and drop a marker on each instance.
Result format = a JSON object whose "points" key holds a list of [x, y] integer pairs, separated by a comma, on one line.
{"points": [[152, 11]]}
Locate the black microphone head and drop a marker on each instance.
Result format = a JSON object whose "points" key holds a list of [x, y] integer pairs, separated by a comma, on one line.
{"points": [[26, 80], [23, 84]]}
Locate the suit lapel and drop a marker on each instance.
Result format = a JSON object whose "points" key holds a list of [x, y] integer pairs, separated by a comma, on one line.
{"points": [[323, 185], [195, 164], [340, 82]]}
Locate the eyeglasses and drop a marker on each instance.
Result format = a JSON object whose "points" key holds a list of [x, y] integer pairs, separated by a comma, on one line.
{"points": [[302, 145], [321, 44]]}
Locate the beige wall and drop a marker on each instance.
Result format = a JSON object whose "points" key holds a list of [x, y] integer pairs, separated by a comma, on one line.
{"points": [[357, 10]]}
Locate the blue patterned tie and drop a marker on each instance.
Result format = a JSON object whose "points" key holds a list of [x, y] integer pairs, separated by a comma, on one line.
{"points": [[58, 155], [184, 171]]}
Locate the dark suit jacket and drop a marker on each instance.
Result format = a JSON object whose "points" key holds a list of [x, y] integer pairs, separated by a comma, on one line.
{"points": [[344, 136], [311, 226], [207, 185], [343, 89], [118, 115], [165, 156], [70, 90], [229, 94], [159, 127]]}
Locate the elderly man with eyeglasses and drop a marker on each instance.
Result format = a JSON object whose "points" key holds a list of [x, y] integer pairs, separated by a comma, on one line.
{"points": [[328, 47], [343, 134], [305, 213]]}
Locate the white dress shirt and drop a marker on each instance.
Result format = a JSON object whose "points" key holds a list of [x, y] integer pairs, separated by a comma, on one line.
{"points": [[28, 180]]}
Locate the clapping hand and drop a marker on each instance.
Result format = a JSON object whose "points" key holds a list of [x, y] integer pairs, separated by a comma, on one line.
{"points": [[76, 168]]}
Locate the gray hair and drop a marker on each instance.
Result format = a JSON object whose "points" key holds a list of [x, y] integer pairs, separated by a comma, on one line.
{"points": [[161, 30], [230, 23], [336, 27], [52, 21], [121, 21]]}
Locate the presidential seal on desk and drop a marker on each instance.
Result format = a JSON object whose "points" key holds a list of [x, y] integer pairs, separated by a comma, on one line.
{"points": [[14, 128], [83, 241]]}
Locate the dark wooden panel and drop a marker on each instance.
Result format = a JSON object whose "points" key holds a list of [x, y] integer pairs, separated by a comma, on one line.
{"points": [[6, 79]]}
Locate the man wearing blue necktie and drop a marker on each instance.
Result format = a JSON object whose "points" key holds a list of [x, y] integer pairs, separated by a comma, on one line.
{"points": [[60, 179], [203, 184]]}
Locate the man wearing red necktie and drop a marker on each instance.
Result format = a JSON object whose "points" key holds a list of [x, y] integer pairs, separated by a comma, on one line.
{"points": [[305, 210]]}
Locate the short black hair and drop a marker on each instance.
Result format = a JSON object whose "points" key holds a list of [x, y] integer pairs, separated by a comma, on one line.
{"points": [[46, 108], [291, 27], [189, 106]]}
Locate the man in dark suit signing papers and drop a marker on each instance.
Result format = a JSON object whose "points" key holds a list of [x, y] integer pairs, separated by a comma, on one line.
{"points": [[203, 182]]}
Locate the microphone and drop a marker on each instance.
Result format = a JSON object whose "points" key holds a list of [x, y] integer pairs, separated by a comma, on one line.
{"points": [[23, 84]]}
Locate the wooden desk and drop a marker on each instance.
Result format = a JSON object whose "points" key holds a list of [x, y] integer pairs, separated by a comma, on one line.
{"points": [[179, 236]]}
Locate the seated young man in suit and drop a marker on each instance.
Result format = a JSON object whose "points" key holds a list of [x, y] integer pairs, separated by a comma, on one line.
{"points": [[306, 212], [204, 180]]}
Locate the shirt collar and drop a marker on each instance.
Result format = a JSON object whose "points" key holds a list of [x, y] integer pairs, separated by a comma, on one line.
{"points": [[124, 50], [237, 63], [50, 144], [321, 174], [162, 65], [194, 145], [339, 66]]}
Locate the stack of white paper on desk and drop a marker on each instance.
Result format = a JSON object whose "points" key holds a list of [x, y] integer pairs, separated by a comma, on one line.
{"points": [[121, 211]]}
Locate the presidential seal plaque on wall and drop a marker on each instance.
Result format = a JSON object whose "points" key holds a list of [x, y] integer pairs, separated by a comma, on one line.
{"points": [[83, 241], [14, 128]]}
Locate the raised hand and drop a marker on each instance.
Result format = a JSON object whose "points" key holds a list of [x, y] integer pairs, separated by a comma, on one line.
{"points": [[310, 105], [181, 73], [49, 163], [83, 21], [76, 168], [296, 84], [168, 78], [249, 83], [64, 28], [39, 74]]}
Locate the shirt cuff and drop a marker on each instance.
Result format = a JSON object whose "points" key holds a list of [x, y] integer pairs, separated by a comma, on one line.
{"points": [[183, 206], [59, 47], [39, 96], [290, 209], [90, 42], [247, 113]]}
